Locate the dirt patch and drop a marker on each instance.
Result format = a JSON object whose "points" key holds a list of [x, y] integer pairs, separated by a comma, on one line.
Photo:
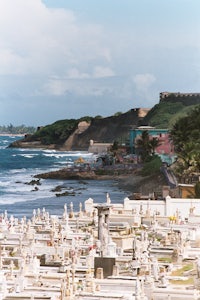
{"points": [[144, 185]]}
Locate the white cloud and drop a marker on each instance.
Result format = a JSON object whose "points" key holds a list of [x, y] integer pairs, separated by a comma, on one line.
{"points": [[50, 55], [80, 83], [144, 85], [54, 87], [74, 73], [83, 87], [100, 72], [10, 62], [36, 39], [143, 81]]}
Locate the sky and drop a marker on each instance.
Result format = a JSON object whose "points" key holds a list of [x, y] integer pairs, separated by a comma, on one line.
{"points": [[63, 59]]}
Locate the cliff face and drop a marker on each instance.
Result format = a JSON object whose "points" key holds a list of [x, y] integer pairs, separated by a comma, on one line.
{"points": [[105, 130], [102, 130]]}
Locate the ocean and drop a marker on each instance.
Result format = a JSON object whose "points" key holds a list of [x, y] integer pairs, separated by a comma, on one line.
{"points": [[18, 167]]}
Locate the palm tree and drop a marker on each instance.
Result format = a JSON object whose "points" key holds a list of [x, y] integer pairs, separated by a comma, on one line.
{"points": [[154, 143], [147, 146], [185, 135], [143, 145]]}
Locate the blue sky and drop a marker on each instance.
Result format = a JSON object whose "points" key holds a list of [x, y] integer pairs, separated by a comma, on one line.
{"points": [[63, 59]]}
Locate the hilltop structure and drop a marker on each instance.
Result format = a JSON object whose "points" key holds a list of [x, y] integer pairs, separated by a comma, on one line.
{"points": [[186, 98]]}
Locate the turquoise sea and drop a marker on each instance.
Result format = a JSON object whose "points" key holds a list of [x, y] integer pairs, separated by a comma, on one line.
{"points": [[18, 167]]}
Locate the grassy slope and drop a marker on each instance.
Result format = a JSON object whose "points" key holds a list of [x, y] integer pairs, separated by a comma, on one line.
{"points": [[165, 114]]}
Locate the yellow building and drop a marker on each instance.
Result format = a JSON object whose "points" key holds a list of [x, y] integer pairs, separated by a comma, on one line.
{"points": [[186, 190]]}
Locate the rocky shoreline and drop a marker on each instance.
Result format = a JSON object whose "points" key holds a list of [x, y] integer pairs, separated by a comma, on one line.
{"points": [[131, 183], [70, 175]]}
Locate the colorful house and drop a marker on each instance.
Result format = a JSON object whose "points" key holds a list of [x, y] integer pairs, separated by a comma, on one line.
{"points": [[165, 149]]}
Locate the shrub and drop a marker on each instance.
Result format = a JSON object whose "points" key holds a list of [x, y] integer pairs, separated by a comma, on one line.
{"points": [[152, 166]]}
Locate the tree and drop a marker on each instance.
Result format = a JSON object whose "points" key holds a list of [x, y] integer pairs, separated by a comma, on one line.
{"points": [[142, 145], [117, 114], [147, 146], [115, 146], [185, 135], [154, 143], [10, 128]]}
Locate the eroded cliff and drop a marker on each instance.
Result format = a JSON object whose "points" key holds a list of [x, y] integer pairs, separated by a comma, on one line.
{"points": [[79, 134]]}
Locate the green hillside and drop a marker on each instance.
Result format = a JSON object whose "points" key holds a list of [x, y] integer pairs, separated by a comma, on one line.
{"points": [[165, 114], [58, 132], [107, 130]]}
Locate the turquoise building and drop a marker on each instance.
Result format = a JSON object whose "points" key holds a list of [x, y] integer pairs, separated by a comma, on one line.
{"points": [[165, 149]]}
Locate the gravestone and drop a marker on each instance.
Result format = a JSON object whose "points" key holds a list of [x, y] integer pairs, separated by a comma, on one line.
{"points": [[106, 263]]}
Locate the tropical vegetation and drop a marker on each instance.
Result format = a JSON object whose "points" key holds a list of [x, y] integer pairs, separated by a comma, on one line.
{"points": [[58, 132], [185, 135], [152, 166], [146, 145]]}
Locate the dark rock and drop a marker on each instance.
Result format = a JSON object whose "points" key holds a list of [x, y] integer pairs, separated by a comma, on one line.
{"points": [[33, 182], [66, 174], [57, 188], [35, 189], [66, 194]]}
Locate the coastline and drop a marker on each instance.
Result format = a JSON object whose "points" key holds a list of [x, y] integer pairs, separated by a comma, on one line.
{"points": [[128, 180], [130, 183]]}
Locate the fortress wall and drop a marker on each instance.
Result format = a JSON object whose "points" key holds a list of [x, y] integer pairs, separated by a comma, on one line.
{"points": [[191, 98]]}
